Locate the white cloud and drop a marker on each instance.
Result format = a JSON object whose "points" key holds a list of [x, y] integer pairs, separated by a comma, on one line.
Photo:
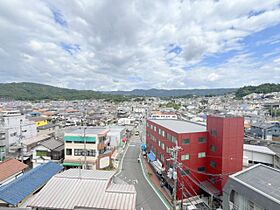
{"points": [[124, 39]]}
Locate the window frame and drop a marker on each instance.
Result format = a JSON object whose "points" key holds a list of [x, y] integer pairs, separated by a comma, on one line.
{"points": [[202, 142], [201, 154], [187, 155], [185, 139]]}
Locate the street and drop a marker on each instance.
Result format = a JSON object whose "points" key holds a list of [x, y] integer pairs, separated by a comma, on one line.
{"points": [[132, 173]]}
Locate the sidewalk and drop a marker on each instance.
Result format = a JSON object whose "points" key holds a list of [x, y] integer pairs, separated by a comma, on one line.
{"points": [[155, 180]]}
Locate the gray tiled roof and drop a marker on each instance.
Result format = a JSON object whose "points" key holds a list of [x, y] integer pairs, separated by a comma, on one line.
{"points": [[52, 144]]}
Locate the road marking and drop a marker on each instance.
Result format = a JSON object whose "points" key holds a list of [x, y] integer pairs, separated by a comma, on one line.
{"points": [[121, 163]]}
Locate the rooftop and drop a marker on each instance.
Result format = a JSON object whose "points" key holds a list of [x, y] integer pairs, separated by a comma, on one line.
{"points": [[261, 178], [17, 190], [52, 144], [93, 190], [88, 131], [180, 126], [257, 148], [10, 167]]}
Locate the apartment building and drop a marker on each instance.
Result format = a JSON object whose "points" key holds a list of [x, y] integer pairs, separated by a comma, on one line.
{"points": [[207, 154], [84, 140], [13, 125]]}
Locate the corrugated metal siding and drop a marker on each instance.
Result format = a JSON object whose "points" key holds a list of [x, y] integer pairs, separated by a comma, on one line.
{"points": [[63, 192], [17, 190]]}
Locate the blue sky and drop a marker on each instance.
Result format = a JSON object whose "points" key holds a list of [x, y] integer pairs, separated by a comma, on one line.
{"points": [[132, 44]]}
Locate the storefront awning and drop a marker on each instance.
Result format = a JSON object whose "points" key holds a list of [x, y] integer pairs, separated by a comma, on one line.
{"points": [[151, 156], [71, 164], [156, 165]]}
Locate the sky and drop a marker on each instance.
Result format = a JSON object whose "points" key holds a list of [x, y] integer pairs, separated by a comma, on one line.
{"points": [[132, 44]]}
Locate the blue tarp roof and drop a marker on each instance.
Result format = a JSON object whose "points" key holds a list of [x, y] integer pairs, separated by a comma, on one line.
{"points": [[15, 191], [151, 156]]}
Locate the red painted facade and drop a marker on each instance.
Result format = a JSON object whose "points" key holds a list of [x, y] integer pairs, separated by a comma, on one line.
{"points": [[223, 148]]}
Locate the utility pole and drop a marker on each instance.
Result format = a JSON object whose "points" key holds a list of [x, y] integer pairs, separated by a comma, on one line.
{"points": [[85, 149], [20, 141], [174, 175]]}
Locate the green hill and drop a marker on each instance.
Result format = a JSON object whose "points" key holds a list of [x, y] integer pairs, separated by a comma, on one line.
{"points": [[264, 88], [33, 91]]}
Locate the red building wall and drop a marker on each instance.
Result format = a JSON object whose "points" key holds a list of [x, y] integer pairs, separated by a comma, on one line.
{"points": [[227, 156], [229, 142]]}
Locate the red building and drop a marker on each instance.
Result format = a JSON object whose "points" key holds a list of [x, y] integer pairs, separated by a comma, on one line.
{"points": [[207, 154]]}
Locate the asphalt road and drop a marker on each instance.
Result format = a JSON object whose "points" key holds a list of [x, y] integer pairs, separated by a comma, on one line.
{"points": [[132, 173]]}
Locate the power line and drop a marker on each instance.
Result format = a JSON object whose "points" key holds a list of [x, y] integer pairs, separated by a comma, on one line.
{"points": [[192, 187]]}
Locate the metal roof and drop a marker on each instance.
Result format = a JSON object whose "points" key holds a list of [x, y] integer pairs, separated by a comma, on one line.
{"points": [[88, 131], [15, 191], [180, 126], [89, 189], [262, 179], [257, 148]]}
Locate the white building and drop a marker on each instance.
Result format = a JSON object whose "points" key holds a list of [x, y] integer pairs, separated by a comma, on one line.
{"points": [[116, 135], [253, 154], [163, 115], [15, 124]]}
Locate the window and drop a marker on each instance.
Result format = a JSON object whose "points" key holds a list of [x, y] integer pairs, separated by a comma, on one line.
{"points": [[201, 140], [68, 151], [91, 152], [168, 150], [185, 157], [201, 169], [42, 153], [213, 148], [212, 164], [213, 133], [2, 149], [184, 172], [185, 141], [201, 155], [78, 152], [169, 137], [159, 131], [162, 158], [158, 143], [163, 133], [168, 165], [162, 146], [173, 139], [155, 128]]}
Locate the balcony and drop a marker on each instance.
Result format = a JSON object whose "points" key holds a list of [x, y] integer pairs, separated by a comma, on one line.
{"points": [[101, 146]]}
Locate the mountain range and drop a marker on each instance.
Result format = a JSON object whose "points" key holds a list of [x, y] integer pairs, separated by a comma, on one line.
{"points": [[35, 91]]}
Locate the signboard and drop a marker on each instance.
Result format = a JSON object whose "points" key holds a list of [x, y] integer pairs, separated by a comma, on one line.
{"points": [[104, 162]]}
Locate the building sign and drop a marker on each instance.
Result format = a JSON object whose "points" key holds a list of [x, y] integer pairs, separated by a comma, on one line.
{"points": [[104, 162]]}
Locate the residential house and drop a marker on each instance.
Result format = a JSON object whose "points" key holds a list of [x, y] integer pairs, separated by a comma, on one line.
{"points": [[254, 154], [10, 169], [19, 190], [49, 150], [257, 187]]}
